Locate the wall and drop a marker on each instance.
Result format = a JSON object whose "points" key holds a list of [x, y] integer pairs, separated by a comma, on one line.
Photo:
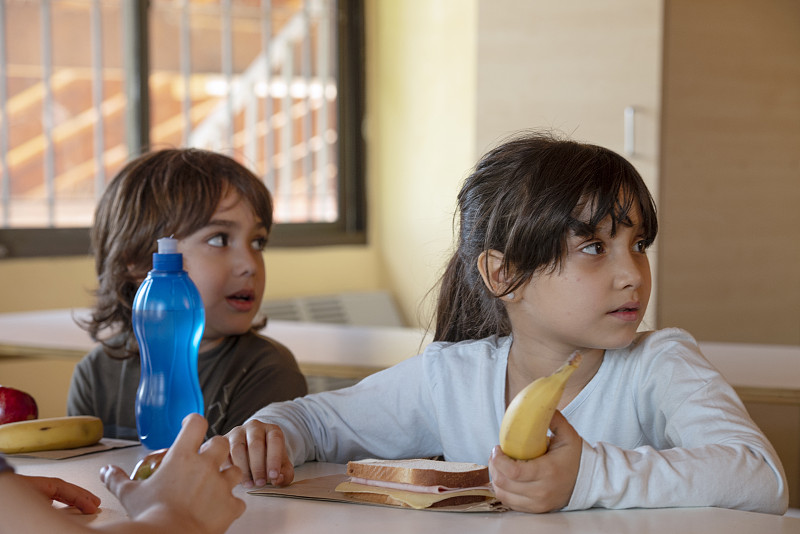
{"points": [[421, 134], [67, 282], [573, 67], [730, 187]]}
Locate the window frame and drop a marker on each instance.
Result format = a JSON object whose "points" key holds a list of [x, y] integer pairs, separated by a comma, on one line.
{"points": [[350, 228]]}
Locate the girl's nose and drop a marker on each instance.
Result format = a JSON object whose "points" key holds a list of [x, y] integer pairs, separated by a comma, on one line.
{"points": [[630, 271]]}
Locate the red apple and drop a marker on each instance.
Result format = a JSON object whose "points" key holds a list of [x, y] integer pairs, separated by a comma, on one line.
{"points": [[16, 405]]}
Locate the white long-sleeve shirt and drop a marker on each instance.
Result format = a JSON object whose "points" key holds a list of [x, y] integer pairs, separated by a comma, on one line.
{"points": [[661, 427]]}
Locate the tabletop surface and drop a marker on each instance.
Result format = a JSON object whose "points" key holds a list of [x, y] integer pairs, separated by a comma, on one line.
{"points": [[277, 515]]}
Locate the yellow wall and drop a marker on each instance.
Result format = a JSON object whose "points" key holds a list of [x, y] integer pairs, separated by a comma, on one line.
{"points": [[420, 139], [421, 131]]}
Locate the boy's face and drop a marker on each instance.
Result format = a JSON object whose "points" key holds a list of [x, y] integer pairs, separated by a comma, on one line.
{"points": [[224, 259]]}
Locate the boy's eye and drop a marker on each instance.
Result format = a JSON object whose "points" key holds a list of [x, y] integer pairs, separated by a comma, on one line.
{"points": [[640, 246], [593, 248], [259, 243], [219, 240]]}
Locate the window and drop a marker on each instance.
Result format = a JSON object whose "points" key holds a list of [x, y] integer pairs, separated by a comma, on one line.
{"points": [[86, 84]]}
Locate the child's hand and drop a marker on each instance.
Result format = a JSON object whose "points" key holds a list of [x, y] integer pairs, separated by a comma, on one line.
{"points": [[255, 444], [545, 483], [59, 490], [191, 489]]}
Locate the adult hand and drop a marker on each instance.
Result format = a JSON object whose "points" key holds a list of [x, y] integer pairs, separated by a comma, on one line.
{"points": [[191, 489], [59, 490]]}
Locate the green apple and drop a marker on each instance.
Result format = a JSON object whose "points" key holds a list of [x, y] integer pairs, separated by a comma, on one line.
{"points": [[148, 464]]}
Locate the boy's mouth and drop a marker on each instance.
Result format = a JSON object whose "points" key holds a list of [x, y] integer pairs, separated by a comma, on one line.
{"points": [[242, 300]]}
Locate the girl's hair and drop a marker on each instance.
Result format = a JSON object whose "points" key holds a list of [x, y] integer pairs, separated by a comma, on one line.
{"points": [[523, 199], [172, 192]]}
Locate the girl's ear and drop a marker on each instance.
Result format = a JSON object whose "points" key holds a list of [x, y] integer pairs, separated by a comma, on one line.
{"points": [[490, 265]]}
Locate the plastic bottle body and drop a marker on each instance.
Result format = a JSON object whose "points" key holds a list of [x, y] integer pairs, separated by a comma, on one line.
{"points": [[168, 322]]}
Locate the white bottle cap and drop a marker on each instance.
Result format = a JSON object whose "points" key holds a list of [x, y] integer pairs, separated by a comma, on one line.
{"points": [[167, 245]]}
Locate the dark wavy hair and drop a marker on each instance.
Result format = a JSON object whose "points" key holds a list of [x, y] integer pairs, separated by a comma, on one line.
{"points": [[523, 199], [172, 192]]}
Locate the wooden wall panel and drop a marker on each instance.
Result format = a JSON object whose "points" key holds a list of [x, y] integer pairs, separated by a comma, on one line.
{"points": [[730, 171]]}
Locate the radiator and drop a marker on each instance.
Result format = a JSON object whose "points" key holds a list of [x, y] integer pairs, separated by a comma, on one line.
{"points": [[369, 308]]}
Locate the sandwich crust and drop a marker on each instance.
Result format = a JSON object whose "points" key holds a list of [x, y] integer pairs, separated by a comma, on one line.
{"points": [[380, 498], [421, 472]]}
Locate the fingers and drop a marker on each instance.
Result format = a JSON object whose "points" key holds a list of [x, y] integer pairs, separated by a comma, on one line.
{"points": [[59, 490], [190, 438], [259, 450], [545, 483], [503, 467], [237, 443], [116, 480], [256, 452], [516, 483], [279, 470], [559, 423], [216, 450]]}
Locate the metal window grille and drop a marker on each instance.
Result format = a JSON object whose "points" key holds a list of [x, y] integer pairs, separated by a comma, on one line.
{"points": [[255, 79]]}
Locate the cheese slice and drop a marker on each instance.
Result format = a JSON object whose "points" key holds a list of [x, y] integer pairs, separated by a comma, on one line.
{"points": [[410, 498], [440, 490]]}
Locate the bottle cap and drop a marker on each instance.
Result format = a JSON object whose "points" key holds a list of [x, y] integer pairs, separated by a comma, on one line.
{"points": [[167, 258], [167, 245]]}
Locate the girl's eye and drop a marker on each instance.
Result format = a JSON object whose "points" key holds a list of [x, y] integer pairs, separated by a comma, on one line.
{"points": [[593, 248], [259, 243], [640, 246], [219, 240]]}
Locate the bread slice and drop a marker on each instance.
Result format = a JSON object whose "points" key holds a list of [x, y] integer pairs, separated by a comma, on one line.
{"points": [[421, 472], [381, 498]]}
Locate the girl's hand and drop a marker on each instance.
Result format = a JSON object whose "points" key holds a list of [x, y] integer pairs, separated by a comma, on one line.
{"points": [[59, 490], [191, 489], [545, 483], [259, 450]]}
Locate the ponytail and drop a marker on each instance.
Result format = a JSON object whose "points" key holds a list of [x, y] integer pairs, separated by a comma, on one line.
{"points": [[465, 308]]}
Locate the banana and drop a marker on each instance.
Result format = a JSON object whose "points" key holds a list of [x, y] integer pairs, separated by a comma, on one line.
{"points": [[523, 431], [50, 433]]}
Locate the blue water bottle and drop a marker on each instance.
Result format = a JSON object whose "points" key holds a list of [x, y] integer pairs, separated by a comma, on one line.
{"points": [[168, 322]]}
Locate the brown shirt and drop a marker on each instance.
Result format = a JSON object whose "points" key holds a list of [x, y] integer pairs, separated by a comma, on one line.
{"points": [[240, 376]]}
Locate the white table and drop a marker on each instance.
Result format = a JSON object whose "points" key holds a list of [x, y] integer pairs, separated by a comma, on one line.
{"points": [[275, 515]]}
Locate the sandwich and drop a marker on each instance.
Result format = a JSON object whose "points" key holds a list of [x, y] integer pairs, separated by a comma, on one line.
{"points": [[417, 483]]}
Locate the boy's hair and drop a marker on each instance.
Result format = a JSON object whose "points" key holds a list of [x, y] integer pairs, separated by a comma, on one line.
{"points": [[523, 199], [172, 192]]}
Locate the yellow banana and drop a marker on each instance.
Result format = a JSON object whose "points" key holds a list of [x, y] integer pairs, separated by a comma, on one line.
{"points": [[523, 431], [50, 433]]}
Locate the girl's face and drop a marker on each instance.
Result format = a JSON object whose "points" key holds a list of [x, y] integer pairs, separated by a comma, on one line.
{"points": [[224, 259], [597, 300]]}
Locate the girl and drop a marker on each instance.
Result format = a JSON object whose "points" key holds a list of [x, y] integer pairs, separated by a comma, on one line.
{"points": [[221, 213], [551, 258]]}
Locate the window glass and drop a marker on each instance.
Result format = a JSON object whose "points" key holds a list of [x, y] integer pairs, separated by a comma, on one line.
{"points": [[258, 80]]}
